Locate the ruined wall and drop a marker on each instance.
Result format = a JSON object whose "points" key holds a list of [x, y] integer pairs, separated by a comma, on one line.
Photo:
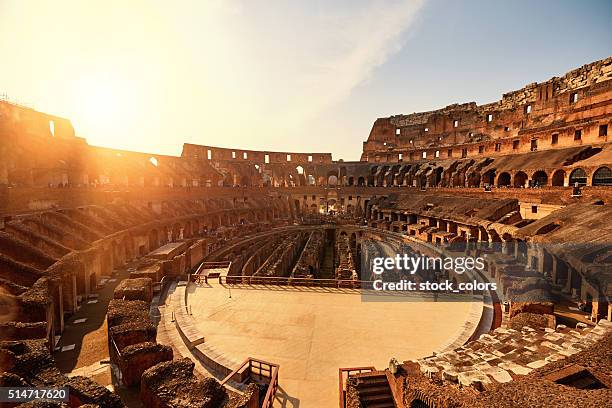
{"points": [[522, 121]]}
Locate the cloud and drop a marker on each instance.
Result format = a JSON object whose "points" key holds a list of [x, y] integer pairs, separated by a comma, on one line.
{"points": [[279, 64], [308, 57]]}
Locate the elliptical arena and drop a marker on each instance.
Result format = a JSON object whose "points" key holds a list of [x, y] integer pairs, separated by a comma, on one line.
{"points": [[236, 278]]}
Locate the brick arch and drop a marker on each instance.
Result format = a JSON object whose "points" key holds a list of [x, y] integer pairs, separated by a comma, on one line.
{"points": [[558, 178], [540, 177], [602, 177], [504, 179], [578, 175], [520, 179]]}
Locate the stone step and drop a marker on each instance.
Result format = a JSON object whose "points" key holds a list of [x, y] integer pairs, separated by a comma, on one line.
{"points": [[374, 380], [379, 398], [373, 390]]}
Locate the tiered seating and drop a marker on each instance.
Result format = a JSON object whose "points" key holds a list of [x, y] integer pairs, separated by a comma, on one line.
{"points": [[504, 353]]}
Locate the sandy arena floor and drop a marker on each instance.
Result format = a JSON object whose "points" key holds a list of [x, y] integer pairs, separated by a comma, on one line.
{"points": [[311, 333]]}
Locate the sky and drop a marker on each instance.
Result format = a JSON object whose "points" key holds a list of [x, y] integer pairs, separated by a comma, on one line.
{"points": [[298, 76]]}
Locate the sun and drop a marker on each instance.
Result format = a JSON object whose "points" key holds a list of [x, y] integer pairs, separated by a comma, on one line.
{"points": [[102, 100]]}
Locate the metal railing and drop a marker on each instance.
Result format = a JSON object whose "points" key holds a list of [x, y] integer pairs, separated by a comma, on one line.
{"points": [[343, 375], [288, 281], [252, 367]]}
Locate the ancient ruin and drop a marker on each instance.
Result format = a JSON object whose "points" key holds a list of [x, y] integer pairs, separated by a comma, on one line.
{"points": [[136, 279]]}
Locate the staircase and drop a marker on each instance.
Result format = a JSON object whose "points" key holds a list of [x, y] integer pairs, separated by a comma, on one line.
{"points": [[374, 391]]}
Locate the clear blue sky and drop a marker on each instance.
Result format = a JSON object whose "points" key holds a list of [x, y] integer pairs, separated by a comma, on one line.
{"points": [[149, 75]]}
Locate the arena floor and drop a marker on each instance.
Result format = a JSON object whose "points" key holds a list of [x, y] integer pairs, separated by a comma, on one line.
{"points": [[311, 333]]}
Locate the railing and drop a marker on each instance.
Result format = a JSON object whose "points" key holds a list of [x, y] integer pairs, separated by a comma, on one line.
{"points": [[254, 367], [288, 281], [115, 347], [343, 375]]}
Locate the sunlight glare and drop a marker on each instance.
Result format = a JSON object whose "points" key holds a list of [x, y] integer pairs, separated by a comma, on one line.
{"points": [[103, 101]]}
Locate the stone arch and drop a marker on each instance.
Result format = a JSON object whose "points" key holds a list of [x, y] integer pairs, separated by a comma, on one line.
{"points": [[520, 179], [540, 178], [578, 176], [332, 180], [504, 180], [602, 177], [310, 180], [489, 177], [437, 176], [558, 178], [473, 179], [351, 181], [361, 182]]}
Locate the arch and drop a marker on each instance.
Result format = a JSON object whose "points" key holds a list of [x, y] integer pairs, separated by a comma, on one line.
{"points": [[540, 178], [351, 180], [489, 177], [520, 178], [503, 180], [332, 180], [558, 178], [361, 181], [578, 176], [437, 176], [602, 177]]}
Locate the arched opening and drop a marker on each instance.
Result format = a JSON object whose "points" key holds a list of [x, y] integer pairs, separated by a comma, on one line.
{"points": [[351, 181], [558, 178], [361, 181], [299, 169], [602, 177], [332, 180], [489, 177], [503, 180], [520, 179], [578, 176], [540, 178], [437, 176]]}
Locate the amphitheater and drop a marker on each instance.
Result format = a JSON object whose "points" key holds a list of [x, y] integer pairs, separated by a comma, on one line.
{"points": [[237, 278]]}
